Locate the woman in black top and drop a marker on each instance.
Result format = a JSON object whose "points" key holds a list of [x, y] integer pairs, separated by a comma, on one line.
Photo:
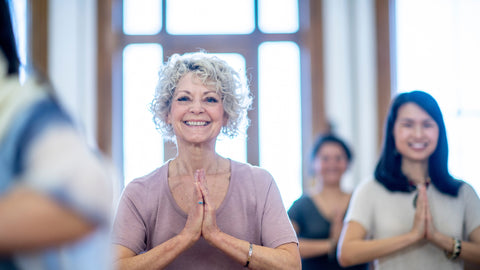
{"points": [[318, 217]]}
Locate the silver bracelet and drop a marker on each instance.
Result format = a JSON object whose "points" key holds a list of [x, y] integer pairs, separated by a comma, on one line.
{"points": [[250, 251]]}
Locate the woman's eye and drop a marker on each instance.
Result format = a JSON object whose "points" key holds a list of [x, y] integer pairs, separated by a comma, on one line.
{"points": [[184, 98], [428, 124], [211, 99]]}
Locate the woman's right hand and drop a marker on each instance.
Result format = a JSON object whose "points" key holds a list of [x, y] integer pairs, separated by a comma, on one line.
{"points": [[419, 222], [193, 226], [162, 255]]}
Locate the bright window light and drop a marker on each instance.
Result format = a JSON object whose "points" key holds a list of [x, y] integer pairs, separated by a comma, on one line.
{"points": [[193, 17], [19, 23], [142, 17], [279, 111], [143, 144], [278, 16]]}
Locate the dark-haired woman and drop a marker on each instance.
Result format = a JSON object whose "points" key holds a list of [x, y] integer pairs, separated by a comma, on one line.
{"points": [[414, 215], [318, 218]]}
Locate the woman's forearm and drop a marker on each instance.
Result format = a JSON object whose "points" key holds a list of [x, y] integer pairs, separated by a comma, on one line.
{"points": [[283, 257], [315, 247], [470, 252], [471, 249], [31, 221], [354, 252], [156, 258]]}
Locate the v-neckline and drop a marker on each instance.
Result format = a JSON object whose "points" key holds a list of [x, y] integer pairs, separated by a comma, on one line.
{"points": [[184, 214]]}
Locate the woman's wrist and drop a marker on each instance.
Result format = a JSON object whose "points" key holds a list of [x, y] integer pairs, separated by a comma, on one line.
{"points": [[413, 237], [333, 245], [184, 241], [442, 241], [456, 248], [188, 237], [213, 237]]}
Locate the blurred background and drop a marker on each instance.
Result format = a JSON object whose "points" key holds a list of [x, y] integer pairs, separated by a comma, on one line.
{"points": [[314, 66]]}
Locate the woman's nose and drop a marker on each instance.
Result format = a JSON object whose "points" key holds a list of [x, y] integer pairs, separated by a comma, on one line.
{"points": [[418, 131], [196, 107]]}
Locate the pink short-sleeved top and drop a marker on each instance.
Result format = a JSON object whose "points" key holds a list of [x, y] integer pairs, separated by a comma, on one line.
{"points": [[252, 210]]}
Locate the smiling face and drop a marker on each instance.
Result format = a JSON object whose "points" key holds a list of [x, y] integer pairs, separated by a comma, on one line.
{"points": [[415, 132], [197, 113], [330, 163]]}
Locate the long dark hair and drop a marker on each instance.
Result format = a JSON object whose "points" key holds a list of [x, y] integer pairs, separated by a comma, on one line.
{"points": [[388, 170], [7, 39]]}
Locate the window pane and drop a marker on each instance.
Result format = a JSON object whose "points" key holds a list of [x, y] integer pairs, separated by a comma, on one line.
{"points": [[437, 51], [193, 17], [142, 17], [235, 148], [143, 144], [464, 132], [19, 23], [278, 16], [280, 116]]}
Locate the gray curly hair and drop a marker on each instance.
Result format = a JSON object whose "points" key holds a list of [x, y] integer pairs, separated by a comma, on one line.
{"points": [[212, 71]]}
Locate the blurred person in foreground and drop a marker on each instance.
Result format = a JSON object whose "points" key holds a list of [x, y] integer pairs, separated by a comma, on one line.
{"points": [[318, 217], [55, 197], [200, 210], [414, 214]]}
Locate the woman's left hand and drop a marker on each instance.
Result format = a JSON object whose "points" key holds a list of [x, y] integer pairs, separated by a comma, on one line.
{"points": [[285, 256], [430, 230], [431, 233], [419, 222], [209, 225]]}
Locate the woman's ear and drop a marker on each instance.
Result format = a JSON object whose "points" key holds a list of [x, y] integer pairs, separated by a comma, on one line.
{"points": [[167, 120]]}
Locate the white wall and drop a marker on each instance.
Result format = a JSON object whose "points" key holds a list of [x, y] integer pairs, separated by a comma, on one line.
{"points": [[72, 54], [350, 80]]}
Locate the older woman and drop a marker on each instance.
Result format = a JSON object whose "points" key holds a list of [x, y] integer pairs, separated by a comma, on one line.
{"points": [[200, 210], [414, 215]]}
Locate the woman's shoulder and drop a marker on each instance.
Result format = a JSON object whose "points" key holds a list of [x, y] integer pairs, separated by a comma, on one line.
{"points": [[252, 176], [367, 187], [303, 200], [247, 168], [466, 189], [369, 183]]}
